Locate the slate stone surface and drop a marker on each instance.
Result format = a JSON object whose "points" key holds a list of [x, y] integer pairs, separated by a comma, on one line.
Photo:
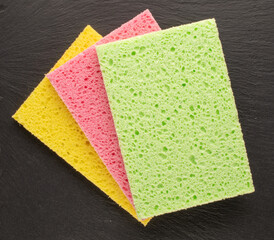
{"points": [[42, 197]]}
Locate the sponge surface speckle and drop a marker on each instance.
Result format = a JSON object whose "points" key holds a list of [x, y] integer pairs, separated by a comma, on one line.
{"points": [[46, 117], [176, 118], [80, 85]]}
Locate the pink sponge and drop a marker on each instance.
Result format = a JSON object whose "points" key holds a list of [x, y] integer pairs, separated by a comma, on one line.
{"points": [[80, 84]]}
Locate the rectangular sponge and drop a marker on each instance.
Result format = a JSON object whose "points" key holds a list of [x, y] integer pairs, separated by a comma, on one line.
{"points": [[80, 85], [175, 118], [46, 117]]}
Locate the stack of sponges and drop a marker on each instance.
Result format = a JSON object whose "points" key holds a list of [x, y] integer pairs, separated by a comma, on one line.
{"points": [[147, 115]]}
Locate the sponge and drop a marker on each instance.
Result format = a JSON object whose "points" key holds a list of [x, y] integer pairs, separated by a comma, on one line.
{"points": [[46, 117], [175, 118], [80, 85]]}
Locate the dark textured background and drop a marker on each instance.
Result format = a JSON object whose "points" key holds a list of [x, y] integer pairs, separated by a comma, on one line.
{"points": [[41, 197]]}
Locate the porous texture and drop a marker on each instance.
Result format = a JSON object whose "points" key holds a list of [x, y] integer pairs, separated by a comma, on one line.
{"points": [[80, 84], [176, 118], [46, 117]]}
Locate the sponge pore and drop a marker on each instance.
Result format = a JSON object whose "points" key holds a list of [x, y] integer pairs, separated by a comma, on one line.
{"points": [[46, 117], [80, 84], [176, 118]]}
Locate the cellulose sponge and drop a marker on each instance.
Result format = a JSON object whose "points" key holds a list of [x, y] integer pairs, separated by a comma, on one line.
{"points": [[80, 85], [175, 118], [46, 117]]}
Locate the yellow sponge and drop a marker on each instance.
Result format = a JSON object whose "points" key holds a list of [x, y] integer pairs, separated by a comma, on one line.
{"points": [[46, 117]]}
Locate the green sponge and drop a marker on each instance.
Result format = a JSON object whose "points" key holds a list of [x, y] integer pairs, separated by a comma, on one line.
{"points": [[176, 118]]}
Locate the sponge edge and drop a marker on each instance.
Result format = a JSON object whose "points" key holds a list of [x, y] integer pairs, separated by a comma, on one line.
{"points": [[176, 118], [47, 118], [80, 85]]}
